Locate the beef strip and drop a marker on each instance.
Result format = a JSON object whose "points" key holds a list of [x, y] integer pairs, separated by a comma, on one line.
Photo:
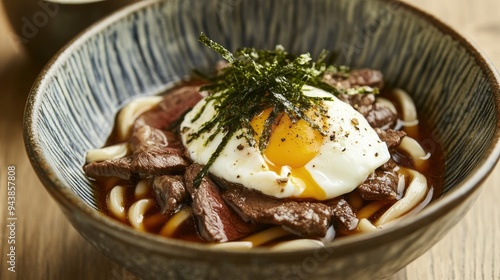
{"points": [[119, 168], [377, 114], [170, 192], [343, 215], [356, 78], [307, 219], [173, 106], [391, 137], [215, 219], [155, 152], [362, 103], [382, 184], [153, 162], [381, 117], [144, 135], [156, 162]]}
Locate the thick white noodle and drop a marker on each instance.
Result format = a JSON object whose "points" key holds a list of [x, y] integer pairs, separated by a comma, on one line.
{"points": [[297, 244], [265, 236], [233, 245], [415, 210], [413, 149], [109, 152], [365, 225], [177, 219], [370, 209], [137, 211], [141, 189], [401, 186], [409, 111], [414, 194], [131, 111], [116, 202]]}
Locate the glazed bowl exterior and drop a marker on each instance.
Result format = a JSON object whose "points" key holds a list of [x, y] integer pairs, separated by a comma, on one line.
{"points": [[144, 48]]}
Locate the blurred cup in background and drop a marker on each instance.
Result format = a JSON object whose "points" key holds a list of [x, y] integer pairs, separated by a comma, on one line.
{"points": [[44, 26]]}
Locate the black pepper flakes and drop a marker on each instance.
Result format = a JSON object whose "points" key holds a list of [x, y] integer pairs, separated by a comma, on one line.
{"points": [[283, 139], [282, 180], [240, 147]]}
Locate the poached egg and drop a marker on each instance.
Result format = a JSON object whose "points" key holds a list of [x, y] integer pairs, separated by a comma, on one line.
{"points": [[299, 162]]}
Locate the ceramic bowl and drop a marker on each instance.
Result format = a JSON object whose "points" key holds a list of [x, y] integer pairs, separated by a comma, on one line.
{"points": [[142, 49]]}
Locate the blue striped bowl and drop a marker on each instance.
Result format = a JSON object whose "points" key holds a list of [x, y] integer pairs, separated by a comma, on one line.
{"points": [[144, 48]]}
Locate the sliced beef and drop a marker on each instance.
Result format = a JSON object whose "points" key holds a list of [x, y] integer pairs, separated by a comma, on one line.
{"points": [[362, 103], [382, 184], [366, 77], [343, 215], [377, 115], [155, 152], [153, 162], [156, 162], [216, 220], [170, 193], [381, 117], [110, 168], [307, 219], [356, 78], [144, 135], [173, 106], [391, 137]]}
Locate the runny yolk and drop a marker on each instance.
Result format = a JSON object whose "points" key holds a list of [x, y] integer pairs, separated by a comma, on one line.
{"points": [[292, 145]]}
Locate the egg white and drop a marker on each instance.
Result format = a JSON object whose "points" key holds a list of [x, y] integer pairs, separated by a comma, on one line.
{"points": [[342, 164]]}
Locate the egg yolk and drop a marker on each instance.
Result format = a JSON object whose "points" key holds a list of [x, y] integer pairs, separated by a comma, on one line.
{"points": [[292, 145]]}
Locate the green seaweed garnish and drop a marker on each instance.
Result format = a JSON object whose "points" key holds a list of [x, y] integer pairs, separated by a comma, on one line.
{"points": [[257, 79]]}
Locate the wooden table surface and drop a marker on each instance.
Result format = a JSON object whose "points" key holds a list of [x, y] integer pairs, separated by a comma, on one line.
{"points": [[47, 247]]}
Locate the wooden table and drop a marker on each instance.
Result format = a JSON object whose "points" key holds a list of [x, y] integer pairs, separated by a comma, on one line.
{"points": [[47, 247]]}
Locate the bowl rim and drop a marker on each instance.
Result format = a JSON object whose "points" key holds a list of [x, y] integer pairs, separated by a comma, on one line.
{"points": [[73, 204]]}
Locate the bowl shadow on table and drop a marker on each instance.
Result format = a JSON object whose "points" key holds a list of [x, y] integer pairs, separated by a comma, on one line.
{"points": [[166, 50]]}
